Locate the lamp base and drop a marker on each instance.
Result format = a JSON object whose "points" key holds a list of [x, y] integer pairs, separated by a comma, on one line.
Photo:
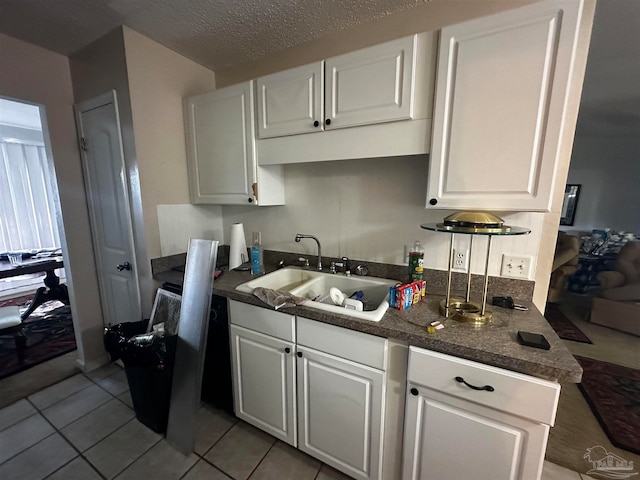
{"points": [[463, 311]]}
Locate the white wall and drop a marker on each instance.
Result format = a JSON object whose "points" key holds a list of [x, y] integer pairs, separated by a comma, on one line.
{"points": [[369, 210], [158, 81], [608, 168], [179, 223], [36, 75], [150, 82], [96, 69]]}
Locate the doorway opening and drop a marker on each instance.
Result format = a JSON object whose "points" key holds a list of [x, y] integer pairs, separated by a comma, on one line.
{"points": [[27, 203]]}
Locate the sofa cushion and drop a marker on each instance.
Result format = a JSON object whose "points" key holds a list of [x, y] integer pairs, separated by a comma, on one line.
{"points": [[624, 316], [626, 293]]}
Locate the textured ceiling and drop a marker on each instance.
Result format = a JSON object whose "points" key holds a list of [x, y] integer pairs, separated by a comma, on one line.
{"points": [[223, 33], [214, 33]]}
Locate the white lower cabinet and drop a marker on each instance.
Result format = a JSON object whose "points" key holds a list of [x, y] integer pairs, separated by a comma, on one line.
{"points": [[264, 387], [468, 420], [340, 412], [349, 388]]}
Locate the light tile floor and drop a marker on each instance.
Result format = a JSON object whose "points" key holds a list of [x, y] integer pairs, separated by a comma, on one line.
{"points": [[84, 428]]}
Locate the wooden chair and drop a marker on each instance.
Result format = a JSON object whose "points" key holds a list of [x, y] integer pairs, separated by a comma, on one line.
{"points": [[11, 324]]}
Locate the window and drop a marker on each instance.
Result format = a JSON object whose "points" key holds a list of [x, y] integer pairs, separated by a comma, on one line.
{"points": [[27, 209]]}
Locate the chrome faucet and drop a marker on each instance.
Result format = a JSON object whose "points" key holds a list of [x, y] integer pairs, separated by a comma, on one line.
{"points": [[300, 236]]}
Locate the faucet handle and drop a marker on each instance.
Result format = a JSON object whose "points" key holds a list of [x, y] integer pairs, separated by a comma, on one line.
{"points": [[305, 260], [347, 266], [362, 270]]}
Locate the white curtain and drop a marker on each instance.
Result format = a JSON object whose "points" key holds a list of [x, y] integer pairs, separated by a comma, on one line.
{"points": [[27, 213]]}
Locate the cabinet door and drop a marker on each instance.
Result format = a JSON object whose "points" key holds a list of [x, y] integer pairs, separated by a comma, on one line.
{"points": [[450, 439], [290, 102], [340, 413], [264, 382], [221, 145], [501, 97], [372, 85]]}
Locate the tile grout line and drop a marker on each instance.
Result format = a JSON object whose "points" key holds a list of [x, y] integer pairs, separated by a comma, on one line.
{"points": [[30, 446], [55, 403], [202, 457], [81, 416], [135, 459], [219, 439], [59, 432], [262, 459]]}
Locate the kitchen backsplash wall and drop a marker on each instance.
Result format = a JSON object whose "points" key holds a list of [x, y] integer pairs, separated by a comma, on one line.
{"points": [[370, 209], [178, 223]]}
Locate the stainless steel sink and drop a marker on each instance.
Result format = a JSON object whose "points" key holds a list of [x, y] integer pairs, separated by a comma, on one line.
{"points": [[311, 285]]}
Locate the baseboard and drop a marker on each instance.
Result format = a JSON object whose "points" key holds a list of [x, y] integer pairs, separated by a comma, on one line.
{"points": [[87, 367]]}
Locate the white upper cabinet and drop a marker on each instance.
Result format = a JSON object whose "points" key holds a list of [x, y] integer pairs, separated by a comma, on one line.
{"points": [[371, 85], [502, 85], [290, 102], [221, 156], [374, 102]]}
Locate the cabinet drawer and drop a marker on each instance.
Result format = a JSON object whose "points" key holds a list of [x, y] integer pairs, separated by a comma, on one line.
{"points": [[514, 393], [275, 324], [356, 346]]}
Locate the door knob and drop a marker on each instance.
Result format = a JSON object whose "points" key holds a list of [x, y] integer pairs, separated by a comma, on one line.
{"points": [[124, 266]]}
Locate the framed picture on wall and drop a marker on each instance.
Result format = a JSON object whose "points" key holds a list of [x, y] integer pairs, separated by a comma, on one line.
{"points": [[571, 195]]}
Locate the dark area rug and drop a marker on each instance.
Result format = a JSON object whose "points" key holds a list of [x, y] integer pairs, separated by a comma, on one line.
{"points": [[613, 393], [49, 332], [563, 326]]}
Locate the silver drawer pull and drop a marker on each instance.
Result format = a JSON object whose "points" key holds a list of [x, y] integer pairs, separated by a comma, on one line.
{"points": [[488, 388]]}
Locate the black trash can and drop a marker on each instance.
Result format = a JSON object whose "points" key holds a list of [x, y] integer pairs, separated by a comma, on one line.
{"points": [[148, 362]]}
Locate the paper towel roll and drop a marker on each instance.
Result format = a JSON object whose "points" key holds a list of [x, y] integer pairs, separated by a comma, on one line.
{"points": [[237, 246]]}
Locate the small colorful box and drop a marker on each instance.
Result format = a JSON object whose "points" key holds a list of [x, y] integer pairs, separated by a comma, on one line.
{"points": [[402, 297]]}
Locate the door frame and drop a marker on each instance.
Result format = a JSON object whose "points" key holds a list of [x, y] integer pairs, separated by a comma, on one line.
{"points": [[98, 101]]}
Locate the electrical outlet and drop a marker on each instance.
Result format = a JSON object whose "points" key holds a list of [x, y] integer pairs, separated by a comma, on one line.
{"points": [[461, 260], [516, 266]]}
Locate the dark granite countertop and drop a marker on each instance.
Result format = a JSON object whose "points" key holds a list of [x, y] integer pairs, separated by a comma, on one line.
{"points": [[492, 344]]}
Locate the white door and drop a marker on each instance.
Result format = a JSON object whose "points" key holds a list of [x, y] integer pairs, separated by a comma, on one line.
{"points": [[501, 97], [221, 145], [449, 439], [290, 102], [340, 413], [264, 382], [105, 181], [371, 85]]}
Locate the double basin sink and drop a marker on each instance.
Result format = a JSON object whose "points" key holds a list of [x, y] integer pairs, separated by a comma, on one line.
{"points": [[312, 285]]}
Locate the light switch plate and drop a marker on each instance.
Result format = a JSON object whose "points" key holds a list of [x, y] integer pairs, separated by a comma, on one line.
{"points": [[516, 266]]}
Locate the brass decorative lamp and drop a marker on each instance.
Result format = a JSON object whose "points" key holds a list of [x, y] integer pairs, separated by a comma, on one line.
{"points": [[471, 223]]}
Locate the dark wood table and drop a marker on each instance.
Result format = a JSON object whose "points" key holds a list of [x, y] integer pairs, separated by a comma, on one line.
{"points": [[53, 289]]}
